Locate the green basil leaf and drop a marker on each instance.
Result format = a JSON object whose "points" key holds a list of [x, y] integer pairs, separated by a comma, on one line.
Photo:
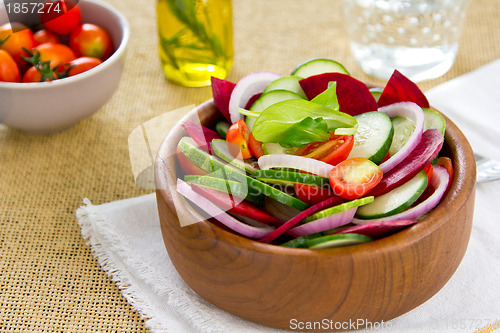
{"points": [[307, 131], [275, 121], [328, 97]]}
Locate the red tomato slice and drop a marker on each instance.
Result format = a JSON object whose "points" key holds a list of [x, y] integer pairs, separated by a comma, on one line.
{"points": [[429, 171], [312, 195], [446, 163], [255, 146], [355, 177], [237, 137], [334, 151]]}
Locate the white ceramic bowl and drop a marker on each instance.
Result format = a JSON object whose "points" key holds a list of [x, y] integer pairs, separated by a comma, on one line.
{"points": [[46, 107]]}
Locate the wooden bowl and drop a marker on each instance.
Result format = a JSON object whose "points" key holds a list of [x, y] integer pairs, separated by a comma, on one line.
{"points": [[279, 287]]}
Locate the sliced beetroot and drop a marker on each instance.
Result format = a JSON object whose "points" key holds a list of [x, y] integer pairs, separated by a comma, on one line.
{"points": [[221, 92], [330, 202], [376, 229], [424, 152], [252, 100], [239, 207], [353, 95], [401, 89], [201, 135]]}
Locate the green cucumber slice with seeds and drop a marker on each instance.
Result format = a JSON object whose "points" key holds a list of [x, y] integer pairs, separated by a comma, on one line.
{"points": [[403, 129], [228, 186], [395, 201], [213, 164], [222, 127], [290, 83], [220, 149], [319, 66], [336, 240], [268, 99], [373, 137], [286, 177], [434, 119], [276, 148], [339, 208]]}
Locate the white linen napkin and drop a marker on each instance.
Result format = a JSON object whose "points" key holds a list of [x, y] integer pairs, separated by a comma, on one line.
{"points": [[125, 236]]}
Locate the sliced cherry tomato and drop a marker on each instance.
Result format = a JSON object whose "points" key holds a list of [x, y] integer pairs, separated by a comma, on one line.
{"points": [[446, 163], [312, 195], [255, 146], [333, 151], [354, 177], [428, 169], [43, 36], [90, 40], [34, 74], [57, 54], [82, 64], [14, 42], [237, 137], [61, 17], [9, 72]]}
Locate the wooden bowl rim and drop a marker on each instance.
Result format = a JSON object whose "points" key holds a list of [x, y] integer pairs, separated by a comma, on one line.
{"points": [[464, 168]]}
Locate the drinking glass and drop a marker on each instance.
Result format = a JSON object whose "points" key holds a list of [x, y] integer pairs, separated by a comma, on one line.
{"points": [[419, 38]]}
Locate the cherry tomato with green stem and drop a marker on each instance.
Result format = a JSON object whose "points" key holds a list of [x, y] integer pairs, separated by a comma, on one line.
{"points": [[14, 42]]}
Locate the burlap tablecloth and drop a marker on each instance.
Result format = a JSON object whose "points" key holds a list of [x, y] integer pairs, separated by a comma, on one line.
{"points": [[49, 280]]}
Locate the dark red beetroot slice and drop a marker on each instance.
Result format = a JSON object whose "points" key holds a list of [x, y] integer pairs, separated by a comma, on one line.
{"points": [[221, 92], [401, 89], [243, 208], [330, 202], [201, 135], [353, 95], [252, 100], [376, 229], [424, 152]]}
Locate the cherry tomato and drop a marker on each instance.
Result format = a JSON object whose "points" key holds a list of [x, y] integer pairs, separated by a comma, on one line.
{"points": [[61, 17], [34, 74], [13, 42], [90, 40], [82, 64], [9, 72], [333, 151], [57, 54], [428, 169], [354, 177], [446, 163], [237, 138], [255, 146], [312, 195], [44, 36]]}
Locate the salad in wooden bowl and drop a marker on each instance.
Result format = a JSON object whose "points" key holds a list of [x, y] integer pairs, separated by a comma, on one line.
{"points": [[314, 199]]}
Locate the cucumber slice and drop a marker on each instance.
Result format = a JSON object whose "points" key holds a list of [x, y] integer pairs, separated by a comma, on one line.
{"points": [[222, 127], [336, 240], [434, 120], [220, 149], [286, 177], [213, 164], [374, 136], [301, 242], [339, 208], [290, 83], [403, 129], [376, 92], [395, 201], [268, 99], [318, 66], [228, 186], [276, 148]]}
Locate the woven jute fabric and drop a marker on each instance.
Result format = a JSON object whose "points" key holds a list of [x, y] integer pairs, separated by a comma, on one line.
{"points": [[49, 280]]}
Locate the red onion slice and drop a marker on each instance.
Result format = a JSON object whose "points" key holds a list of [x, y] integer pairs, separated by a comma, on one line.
{"points": [[439, 181], [413, 112], [295, 162], [214, 211], [325, 223], [247, 87]]}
